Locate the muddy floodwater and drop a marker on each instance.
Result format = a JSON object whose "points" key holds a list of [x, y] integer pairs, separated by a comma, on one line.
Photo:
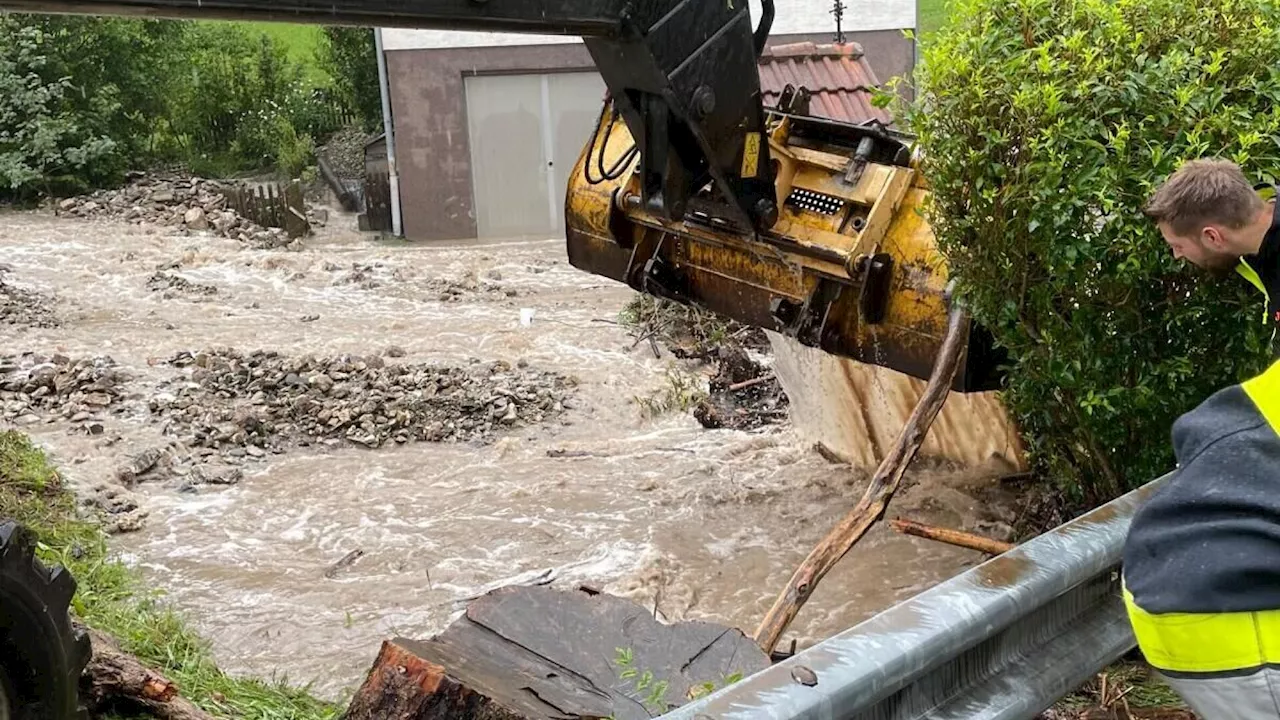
{"points": [[696, 523]]}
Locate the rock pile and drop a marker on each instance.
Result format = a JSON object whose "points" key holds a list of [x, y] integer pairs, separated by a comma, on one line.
{"points": [[471, 285], [246, 405], [173, 285], [24, 307], [185, 204], [344, 152], [367, 276], [39, 387]]}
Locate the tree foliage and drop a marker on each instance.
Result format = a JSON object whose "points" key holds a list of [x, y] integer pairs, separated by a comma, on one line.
{"points": [[46, 141], [1045, 126], [349, 55], [232, 107], [86, 98]]}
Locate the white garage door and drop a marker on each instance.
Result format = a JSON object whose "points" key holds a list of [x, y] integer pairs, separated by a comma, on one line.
{"points": [[526, 132]]}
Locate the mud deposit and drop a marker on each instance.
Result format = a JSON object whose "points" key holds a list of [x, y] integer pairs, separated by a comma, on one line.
{"points": [[312, 450]]}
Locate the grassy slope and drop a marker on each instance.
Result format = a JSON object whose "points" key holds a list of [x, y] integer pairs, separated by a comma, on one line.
{"points": [[931, 14], [301, 42], [110, 597]]}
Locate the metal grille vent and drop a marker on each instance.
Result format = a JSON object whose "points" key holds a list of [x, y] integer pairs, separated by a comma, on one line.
{"points": [[815, 201]]}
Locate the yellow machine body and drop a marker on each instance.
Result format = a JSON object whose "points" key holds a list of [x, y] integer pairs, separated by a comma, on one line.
{"points": [[850, 266]]}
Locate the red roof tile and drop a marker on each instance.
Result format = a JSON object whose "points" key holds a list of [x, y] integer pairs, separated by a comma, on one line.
{"points": [[838, 78]]}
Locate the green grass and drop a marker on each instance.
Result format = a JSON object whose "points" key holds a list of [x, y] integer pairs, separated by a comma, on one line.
{"points": [[932, 14], [299, 41], [1130, 682], [110, 597]]}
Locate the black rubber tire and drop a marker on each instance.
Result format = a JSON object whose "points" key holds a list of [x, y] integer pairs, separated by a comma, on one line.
{"points": [[41, 655]]}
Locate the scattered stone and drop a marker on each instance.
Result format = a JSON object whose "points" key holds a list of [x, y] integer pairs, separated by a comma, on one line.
{"points": [[368, 276], [195, 219], [469, 287], [211, 474], [344, 152], [172, 285], [47, 387], [121, 512], [181, 204], [131, 472], [247, 405], [394, 351], [19, 306]]}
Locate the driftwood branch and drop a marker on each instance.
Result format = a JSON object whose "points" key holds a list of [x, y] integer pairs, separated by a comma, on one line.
{"points": [[114, 678], [958, 538], [750, 383], [871, 507]]}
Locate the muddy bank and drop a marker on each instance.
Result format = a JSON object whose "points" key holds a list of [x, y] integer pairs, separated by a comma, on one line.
{"points": [[697, 522]]}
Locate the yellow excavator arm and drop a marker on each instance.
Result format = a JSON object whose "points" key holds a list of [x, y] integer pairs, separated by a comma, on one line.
{"points": [[850, 266]]}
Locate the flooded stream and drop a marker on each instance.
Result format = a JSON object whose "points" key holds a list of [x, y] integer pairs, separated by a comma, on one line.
{"points": [[696, 523]]}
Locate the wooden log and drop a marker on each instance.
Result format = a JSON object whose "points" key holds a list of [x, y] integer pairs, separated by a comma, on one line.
{"points": [[949, 536], [884, 483], [536, 653], [295, 216], [115, 678], [276, 204]]}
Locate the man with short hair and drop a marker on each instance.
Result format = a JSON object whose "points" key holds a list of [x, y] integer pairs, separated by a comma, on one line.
{"points": [[1201, 563], [1212, 217]]}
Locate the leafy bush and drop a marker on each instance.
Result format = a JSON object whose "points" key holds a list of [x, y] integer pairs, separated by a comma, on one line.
{"points": [[234, 102], [45, 143], [1045, 126], [87, 98]]}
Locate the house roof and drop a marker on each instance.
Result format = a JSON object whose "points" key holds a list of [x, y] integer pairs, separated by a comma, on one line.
{"points": [[838, 78]]}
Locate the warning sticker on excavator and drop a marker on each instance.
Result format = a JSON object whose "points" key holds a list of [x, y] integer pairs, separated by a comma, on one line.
{"points": [[751, 155]]}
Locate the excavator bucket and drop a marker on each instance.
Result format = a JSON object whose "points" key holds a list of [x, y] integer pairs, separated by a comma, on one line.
{"points": [[849, 267]]}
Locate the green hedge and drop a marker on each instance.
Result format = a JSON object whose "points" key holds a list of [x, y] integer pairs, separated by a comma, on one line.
{"points": [[1045, 125]]}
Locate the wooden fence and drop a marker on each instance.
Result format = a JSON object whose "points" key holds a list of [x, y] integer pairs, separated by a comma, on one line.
{"points": [[272, 205], [377, 202]]}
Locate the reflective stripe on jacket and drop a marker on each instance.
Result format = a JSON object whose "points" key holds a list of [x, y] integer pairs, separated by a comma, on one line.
{"points": [[1202, 559]]}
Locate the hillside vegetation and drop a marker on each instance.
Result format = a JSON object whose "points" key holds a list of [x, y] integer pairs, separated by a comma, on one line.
{"points": [[90, 98]]}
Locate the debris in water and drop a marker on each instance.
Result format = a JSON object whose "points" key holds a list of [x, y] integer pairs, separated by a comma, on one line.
{"points": [[46, 386], [347, 561], [244, 404], [24, 307], [173, 285], [138, 465], [742, 395]]}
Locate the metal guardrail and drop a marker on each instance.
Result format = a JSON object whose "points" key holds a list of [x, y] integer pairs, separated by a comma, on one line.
{"points": [[1001, 641]]}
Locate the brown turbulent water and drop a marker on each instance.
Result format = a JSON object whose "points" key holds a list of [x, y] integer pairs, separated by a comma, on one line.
{"points": [[700, 523]]}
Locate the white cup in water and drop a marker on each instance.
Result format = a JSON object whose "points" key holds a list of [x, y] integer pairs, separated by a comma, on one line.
{"points": [[526, 316]]}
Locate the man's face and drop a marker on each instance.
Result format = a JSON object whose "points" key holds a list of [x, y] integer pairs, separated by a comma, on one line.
{"points": [[1208, 250]]}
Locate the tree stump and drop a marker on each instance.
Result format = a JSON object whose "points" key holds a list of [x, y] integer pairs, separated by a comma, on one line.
{"points": [[536, 653]]}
